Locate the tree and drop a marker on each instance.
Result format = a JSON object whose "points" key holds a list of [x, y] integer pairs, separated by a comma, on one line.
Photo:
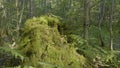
{"points": [[101, 16], [111, 14], [86, 20]]}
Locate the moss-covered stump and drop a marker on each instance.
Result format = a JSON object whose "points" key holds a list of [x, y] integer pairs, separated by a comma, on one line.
{"points": [[43, 46]]}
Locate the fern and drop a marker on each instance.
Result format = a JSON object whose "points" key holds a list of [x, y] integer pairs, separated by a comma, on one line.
{"points": [[13, 52]]}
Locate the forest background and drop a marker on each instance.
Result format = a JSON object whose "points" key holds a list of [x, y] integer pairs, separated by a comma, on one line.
{"points": [[90, 27]]}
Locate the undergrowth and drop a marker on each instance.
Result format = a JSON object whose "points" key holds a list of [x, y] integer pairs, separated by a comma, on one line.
{"points": [[42, 42]]}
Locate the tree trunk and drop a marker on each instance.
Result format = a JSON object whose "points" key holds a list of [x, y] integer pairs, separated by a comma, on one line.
{"points": [[101, 16], [111, 23], [86, 20], [31, 8], [70, 4]]}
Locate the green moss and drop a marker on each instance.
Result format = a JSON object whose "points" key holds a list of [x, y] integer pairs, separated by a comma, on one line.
{"points": [[41, 42]]}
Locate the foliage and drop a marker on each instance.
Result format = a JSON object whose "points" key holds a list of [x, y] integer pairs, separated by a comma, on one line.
{"points": [[106, 58], [58, 37], [41, 42], [13, 52], [11, 57]]}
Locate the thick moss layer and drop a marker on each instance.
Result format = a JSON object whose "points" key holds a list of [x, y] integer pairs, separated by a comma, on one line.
{"points": [[41, 42]]}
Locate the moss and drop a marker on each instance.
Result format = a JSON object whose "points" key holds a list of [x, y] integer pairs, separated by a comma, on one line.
{"points": [[41, 42]]}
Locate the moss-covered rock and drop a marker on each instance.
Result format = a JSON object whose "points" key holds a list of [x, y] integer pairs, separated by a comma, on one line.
{"points": [[41, 42]]}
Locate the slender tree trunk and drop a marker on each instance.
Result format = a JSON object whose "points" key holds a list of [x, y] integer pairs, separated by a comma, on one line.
{"points": [[101, 16], [57, 2], [86, 20], [70, 4], [3, 16], [45, 6], [111, 7], [17, 17], [31, 8], [49, 3]]}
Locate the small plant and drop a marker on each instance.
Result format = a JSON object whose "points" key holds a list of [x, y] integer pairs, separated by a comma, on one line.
{"points": [[10, 57]]}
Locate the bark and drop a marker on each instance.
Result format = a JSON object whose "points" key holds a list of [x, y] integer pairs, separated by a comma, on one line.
{"points": [[70, 4], [31, 8], [111, 23], [101, 16], [45, 6], [86, 20]]}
